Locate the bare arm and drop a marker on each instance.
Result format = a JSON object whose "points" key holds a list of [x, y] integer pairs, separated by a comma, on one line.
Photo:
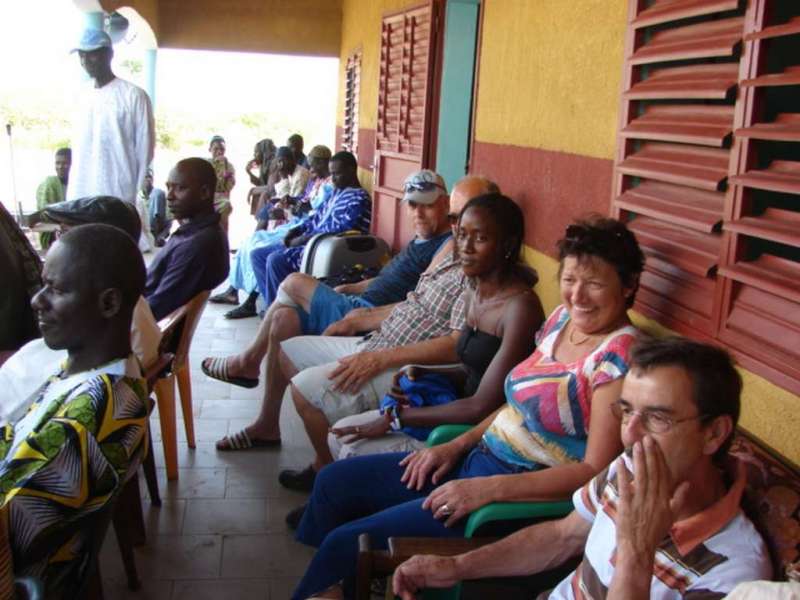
{"points": [[531, 550], [521, 320], [359, 287], [359, 320]]}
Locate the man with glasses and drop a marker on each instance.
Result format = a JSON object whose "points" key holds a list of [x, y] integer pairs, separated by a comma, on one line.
{"points": [[664, 520], [305, 306]]}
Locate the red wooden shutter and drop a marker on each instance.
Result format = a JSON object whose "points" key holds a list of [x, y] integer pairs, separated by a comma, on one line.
{"points": [[707, 172], [403, 126], [673, 155], [351, 102]]}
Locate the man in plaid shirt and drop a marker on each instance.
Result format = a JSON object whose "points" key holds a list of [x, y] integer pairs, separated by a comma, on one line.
{"points": [[334, 377]]}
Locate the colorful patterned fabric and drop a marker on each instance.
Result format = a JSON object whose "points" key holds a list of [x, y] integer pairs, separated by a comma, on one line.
{"points": [[65, 460], [772, 500], [344, 210], [546, 419], [226, 179], [226, 176], [704, 557], [434, 309]]}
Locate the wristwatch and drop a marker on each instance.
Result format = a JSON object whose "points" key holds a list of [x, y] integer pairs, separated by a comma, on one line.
{"points": [[395, 423]]}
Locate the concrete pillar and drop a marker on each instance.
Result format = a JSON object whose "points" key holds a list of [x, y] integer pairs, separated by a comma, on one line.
{"points": [[93, 19], [150, 56]]}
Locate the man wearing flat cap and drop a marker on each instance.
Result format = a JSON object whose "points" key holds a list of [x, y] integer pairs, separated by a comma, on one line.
{"points": [[113, 134]]}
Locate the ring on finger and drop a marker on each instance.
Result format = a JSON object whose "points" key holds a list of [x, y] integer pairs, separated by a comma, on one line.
{"points": [[445, 510], [358, 429]]}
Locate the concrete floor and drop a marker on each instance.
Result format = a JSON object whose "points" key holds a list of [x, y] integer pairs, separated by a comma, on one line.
{"points": [[220, 532]]}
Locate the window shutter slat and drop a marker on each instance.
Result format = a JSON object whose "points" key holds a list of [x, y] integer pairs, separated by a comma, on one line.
{"points": [[689, 124], [785, 128], [790, 76], [790, 27], [703, 168], [779, 176], [664, 11], [701, 82], [774, 224], [768, 273], [698, 210], [704, 40]]}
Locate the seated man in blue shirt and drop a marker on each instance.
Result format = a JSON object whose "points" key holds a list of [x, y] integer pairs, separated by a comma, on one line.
{"points": [[305, 306], [195, 258], [349, 207]]}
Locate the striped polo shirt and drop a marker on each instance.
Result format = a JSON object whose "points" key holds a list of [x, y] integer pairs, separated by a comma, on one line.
{"points": [[704, 557]]}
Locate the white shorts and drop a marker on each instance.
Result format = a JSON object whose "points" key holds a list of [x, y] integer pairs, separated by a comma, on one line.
{"points": [[315, 357], [395, 441]]}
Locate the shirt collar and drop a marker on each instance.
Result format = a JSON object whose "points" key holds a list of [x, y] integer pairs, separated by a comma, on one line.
{"points": [[689, 533], [198, 223]]}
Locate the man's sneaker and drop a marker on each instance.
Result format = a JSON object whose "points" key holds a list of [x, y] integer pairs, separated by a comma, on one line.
{"points": [[243, 311], [301, 481]]}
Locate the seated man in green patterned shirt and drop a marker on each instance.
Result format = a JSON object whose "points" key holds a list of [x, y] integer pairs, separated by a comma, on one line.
{"points": [[54, 189], [69, 455]]}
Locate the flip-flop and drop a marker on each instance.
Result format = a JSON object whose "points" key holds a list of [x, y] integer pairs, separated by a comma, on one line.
{"points": [[241, 441], [217, 368]]}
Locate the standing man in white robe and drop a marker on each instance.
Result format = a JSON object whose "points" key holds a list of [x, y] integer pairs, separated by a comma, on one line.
{"points": [[113, 132]]}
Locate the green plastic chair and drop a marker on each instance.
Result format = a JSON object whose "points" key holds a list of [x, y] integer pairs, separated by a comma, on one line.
{"points": [[497, 511]]}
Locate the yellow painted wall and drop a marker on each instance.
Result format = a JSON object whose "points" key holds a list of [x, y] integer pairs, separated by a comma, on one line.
{"points": [[550, 74], [361, 28], [304, 27], [768, 412]]}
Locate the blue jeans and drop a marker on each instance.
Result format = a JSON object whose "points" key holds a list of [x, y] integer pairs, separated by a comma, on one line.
{"points": [[271, 265], [364, 494]]}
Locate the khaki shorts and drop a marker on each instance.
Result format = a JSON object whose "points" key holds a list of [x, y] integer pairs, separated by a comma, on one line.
{"points": [[315, 357]]}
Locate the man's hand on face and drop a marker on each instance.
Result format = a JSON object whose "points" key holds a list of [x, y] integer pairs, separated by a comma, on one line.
{"points": [[649, 504]]}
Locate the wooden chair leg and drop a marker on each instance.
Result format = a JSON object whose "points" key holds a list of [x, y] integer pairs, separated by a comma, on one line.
{"points": [[165, 397], [183, 376], [122, 527], [150, 476], [94, 589], [129, 508]]}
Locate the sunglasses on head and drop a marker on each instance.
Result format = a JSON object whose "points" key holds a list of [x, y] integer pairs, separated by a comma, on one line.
{"points": [[576, 233], [421, 186]]}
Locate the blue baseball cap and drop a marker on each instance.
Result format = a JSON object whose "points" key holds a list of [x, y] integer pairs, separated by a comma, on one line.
{"points": [[93, 39]]}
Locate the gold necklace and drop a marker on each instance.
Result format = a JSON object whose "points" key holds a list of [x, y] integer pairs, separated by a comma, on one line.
{"points": [[573, 342]]}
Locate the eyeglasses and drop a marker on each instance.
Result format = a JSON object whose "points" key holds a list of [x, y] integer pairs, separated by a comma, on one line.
{"points": [[653, 421], [421, 186]]}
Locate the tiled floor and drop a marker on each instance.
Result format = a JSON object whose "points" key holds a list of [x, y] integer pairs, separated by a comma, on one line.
{"points": [[220, 532]]}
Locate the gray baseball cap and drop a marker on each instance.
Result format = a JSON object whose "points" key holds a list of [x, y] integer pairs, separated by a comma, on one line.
{"points": [[423, 187]]}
